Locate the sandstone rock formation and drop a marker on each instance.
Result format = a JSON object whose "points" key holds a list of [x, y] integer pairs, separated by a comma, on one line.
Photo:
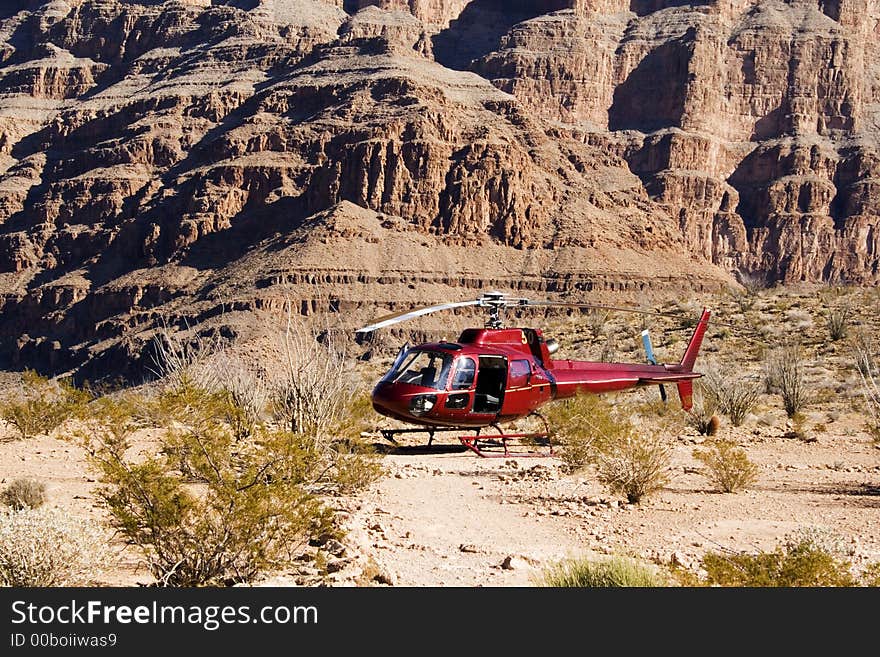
{"points": [[190, 158]]}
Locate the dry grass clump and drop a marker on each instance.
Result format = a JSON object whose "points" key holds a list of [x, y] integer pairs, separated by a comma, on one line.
{"points": [[608, 573], [635, 465], [838, 322], [702, 415]]}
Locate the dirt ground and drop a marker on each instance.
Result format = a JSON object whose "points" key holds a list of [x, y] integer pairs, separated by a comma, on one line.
{"points": [[450, 518]]}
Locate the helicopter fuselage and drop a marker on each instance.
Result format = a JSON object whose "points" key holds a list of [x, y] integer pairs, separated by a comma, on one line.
{"points": [[491, 376]]}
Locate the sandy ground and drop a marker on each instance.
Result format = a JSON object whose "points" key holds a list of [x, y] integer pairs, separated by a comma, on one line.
{"points": [[451, 518]]}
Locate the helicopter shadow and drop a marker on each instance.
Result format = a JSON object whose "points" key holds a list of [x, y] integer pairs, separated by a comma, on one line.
{"points": [[418, 450]]}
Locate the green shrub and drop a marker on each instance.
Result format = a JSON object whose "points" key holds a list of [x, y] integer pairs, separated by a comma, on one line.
{"points": [[25, 494], [211, 507], [582, 425], [41, 404], [728, 465], [613, 572], [800, 562], [48, 547]]}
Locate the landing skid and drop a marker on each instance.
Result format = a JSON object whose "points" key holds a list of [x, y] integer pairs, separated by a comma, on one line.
{"points": [[488, 447], [388, 434], [482, 445]]}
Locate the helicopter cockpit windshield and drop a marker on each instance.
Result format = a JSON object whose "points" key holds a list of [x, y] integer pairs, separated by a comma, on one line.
{"points": [[429, 369]]}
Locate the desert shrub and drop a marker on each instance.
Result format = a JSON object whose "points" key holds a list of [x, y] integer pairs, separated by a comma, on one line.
{"points": [[838, 320], [589, 430], [48, 547], [613, 572], [209, 507], [313, 385], [582, 426], [356, 466], [786, 374], [356, 462], [728, 466], [865, 356], [177, 355], [870, 575], [809, 557], [608, 354], [41, 404], [733, 394], [634, 464], [865, 363], [249, 395], [702, 415], [24, 494], [596, 320]]}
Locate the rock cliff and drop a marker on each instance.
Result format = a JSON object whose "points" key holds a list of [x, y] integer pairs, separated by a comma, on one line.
{"points": [[189, 159]]}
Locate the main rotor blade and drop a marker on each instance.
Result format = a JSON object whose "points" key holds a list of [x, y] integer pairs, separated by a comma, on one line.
{"points": [[404, 315], [625, 309]]}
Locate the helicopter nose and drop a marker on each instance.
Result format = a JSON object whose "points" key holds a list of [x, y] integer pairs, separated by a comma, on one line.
{"points": [[386, 402]]}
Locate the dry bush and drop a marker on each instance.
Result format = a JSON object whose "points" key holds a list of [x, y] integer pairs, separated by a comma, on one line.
{"points": [[41, 404], [634, 464], [785, 372], [596, 321], [733, 395], [209, 507], [178, 360], [838, 321], [728, 466], [753, 284], [609, 350], [24, 494], [608, 573], [865, 361], [48, 547], [356, 463], [702, 415], [313, 384]]}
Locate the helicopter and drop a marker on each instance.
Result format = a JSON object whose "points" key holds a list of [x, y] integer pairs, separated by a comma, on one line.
{"points": [[496, 375]]}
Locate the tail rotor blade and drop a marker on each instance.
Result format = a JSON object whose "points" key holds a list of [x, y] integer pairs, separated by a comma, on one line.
{"points": [[652, 359]]}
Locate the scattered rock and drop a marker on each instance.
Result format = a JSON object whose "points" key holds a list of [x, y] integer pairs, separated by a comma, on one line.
{"points": [[334, 547], [514, 562]]}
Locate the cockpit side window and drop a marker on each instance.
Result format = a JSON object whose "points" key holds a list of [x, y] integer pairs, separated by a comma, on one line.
{"points": [[465, 370]]}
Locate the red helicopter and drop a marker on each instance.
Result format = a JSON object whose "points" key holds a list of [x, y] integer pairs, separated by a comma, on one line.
{"points": [[497, 375]]}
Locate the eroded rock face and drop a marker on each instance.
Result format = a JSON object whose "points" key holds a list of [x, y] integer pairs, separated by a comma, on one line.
{"points": [[755, 119], [372, 151]]}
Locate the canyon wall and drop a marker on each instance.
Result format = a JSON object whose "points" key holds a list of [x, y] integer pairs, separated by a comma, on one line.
{"points": [[181, 159]]}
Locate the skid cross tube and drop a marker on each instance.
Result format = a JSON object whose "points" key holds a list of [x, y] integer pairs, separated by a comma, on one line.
{"points": [[388, 434]]}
